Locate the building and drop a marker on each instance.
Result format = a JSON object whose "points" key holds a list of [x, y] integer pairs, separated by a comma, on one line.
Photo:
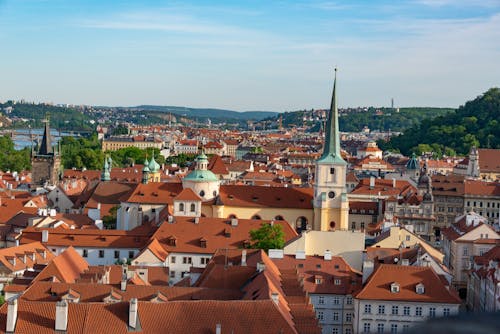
{"points": [[469, 236], [481, 163], [483, 286], [46, 163], [139, 141], [398, 297]]}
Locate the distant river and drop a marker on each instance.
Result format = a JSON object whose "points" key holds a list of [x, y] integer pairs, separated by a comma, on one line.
{"points": [[22, 137]]}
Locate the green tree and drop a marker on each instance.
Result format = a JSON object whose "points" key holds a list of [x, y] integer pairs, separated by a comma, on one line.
{"points": [[268, 236]]}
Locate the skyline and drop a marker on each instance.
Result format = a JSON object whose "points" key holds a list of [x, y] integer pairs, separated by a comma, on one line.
{"points": [[260, 56]]}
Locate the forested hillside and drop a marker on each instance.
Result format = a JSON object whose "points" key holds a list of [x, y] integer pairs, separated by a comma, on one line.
{"points": [[474, 124]]}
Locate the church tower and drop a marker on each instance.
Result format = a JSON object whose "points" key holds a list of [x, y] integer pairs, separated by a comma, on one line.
{"points": [[331, 206], [45, 163]]}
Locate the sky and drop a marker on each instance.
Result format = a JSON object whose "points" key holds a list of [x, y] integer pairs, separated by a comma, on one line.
{"points": [[249, 55]]}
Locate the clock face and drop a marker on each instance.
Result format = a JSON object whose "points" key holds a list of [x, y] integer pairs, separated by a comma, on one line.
{"points": [[331, 194]]}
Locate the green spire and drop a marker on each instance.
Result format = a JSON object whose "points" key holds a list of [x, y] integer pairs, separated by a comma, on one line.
{"points": [[106, 172], [331, 149], [153, 165]]}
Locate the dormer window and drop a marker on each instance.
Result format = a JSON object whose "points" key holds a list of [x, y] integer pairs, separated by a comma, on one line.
{"points": [[395, 287], [420, 289], [318, 279]]}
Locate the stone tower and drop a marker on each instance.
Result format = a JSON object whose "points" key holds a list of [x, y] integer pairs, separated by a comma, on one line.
{"points": [[46, 163], [331, 206]]}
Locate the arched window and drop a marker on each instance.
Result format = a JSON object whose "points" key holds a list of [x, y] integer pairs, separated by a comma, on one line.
{"points": [[181, 206], [193, 207], [332, 225], [256, 217], [231, 216], [301, 224], [279, 217]]}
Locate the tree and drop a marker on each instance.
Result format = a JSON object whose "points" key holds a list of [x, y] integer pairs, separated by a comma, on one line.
{"points": [[268, 236]]}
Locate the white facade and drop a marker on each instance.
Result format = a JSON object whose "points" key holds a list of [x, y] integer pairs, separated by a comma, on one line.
{"points": [[180, 264], [99, 256], [335, 313], [131, 215], [380, 316]]}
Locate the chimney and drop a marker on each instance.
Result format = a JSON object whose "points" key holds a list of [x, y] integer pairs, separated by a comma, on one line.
{"points": [[132, 313], [234, 222], [275, 297], [393, 182], [243, 258], [157, 216], [300, 255], [260, 267], [61, 315], [123, 282], [196, 220], [11, 315], [328, 255], [170, 219], [45, 236], [372, 182], [218, 329]]}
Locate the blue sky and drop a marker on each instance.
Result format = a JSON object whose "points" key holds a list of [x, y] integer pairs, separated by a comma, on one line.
{"points": [[249, 55]]}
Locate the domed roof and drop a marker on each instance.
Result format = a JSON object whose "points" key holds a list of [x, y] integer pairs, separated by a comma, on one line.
{"points": [[153, 165], [412, 163], [201, 176], [427, 197], [423, 179], [146, 167]]}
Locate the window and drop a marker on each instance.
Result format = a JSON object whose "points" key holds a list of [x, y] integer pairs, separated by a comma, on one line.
{"points": [[348, 317], [85, 253], [406, 310], [335, 316], [336, 300], [202, 193], [395, 310], [184, 273], [406, 328], [117, 254], [348, 331], [381, 309], [172, 273], [418, 311], [187, 260], [450, 209], [353, 225], [394, 328], [368, 308], [101, 253], [172, 259], [321, 315], [446, 312], [181, 206], [432, 312], [335, 331], [336, 281], [380, 328], [348, 300], [321, 300], [332, 170], [366, 327], [193, 207], [204, 260], [362, 225]]}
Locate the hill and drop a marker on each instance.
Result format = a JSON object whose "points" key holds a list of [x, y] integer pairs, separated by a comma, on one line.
{"points": [[474, 124], [355, 119], [211, 113]]}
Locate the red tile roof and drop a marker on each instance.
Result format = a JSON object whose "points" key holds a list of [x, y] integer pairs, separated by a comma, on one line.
{"points": [[256, 196], [378, 286]]}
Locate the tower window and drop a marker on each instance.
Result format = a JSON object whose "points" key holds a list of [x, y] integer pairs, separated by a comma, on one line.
{"points": [[332, 170], [202, 193], [331, 194]]}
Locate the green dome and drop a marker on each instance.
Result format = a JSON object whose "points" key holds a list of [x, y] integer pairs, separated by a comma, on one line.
{"points": [[153, 165], [202, 156], [201, 176], [412, 163]]}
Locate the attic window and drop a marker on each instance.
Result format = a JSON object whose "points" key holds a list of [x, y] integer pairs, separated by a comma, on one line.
{"points": [[254, 198], [318, 279], [300, 265], [155, 194], [420, 289], [203, 243], [318, 266], [302, 200], [395, 287]]}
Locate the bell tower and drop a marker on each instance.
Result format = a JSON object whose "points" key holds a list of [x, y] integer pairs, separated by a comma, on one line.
{"points": [[331, 206]]}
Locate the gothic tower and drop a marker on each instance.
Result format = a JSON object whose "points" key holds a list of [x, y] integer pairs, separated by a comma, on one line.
{"points": [[46, 163], [331, 206]]}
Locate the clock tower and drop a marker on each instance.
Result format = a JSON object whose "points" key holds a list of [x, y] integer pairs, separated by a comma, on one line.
{"points": [[331, 206]]}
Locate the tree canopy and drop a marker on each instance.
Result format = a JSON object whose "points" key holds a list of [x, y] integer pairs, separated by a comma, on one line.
{"points": [[268, 236], [473, 124], [11, 159]]}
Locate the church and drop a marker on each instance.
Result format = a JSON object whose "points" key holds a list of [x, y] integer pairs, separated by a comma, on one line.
{"points": [[324, 207]]}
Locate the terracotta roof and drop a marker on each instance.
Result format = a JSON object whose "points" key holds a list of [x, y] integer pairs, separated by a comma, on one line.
{"points": [[330, 271], [66, 267], [378, 286], [489, 160], [256, 196], [157, 249], [187, 194], [217, 166], [384, 187], [96, 293], [154, 193], [25, 256], [217, 232]]}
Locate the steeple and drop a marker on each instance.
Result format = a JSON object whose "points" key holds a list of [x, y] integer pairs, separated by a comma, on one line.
{"points": [[106, 172], [46, 145], [331, 148]]}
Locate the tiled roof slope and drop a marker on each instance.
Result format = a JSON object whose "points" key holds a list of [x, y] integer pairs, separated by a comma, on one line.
{"points": [[378, 286], [256, 196], [22, 257]]}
